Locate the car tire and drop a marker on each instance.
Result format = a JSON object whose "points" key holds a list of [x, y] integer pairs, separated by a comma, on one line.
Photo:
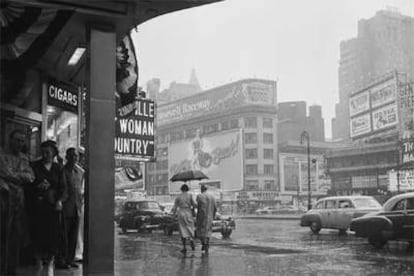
{"points": [[377, 241], [225, 233], [315, 226]]}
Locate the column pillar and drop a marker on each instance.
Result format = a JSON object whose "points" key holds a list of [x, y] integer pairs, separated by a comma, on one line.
{"points": [[100, 130]]}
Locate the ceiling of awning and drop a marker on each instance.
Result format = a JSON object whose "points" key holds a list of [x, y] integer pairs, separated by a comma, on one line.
{"points": [[123, 15]]}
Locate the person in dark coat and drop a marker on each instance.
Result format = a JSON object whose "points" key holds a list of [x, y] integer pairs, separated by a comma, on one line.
{"points": [[44, 197], [206, 210], [72, 177]]}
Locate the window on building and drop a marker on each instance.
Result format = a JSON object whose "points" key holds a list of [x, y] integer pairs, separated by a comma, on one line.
{"points": [[267, 122], [268, 153], [251, 169], [269, 184], [159, 177], [252, 185], [225, 125], [210, 128], [268, 169], [151, 167], [250, 138], [268, 138], [234, 123], [251, 153], [151, 179], [250, 122]]}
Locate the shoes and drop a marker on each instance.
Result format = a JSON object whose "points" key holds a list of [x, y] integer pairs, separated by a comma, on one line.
{"points": [[192, 245], [75, 265]]}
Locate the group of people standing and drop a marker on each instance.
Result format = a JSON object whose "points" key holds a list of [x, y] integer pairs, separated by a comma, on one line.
{"points": [[41, 207], [201, 228]]}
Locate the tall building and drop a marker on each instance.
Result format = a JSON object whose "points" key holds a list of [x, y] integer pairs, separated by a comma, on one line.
{"points": [[293, 120], [384, 43]]}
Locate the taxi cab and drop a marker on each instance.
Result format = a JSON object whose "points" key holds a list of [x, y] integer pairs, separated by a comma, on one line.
{"points": [[337, 212]]}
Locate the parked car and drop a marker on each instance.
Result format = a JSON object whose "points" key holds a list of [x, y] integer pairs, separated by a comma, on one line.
{"points": [[221, 224], [337, 212], [394, 222], [266, 211], [142, 215]]}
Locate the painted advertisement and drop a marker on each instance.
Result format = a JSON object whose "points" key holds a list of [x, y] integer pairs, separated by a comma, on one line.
{"points": [[403, 182], [360, 125], [406, 108], [130, 178], [246, 92], [218, 156], [385, 117], [294, 174], [359, 103], [383, 94]]}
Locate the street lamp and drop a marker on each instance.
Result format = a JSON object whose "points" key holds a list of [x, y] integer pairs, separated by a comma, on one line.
{"points": [[305, 135]]}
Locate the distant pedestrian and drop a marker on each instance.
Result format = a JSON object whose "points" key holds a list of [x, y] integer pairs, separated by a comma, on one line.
{"points": [[184, 205], [45, 204], [72, 177], [206, 210]]}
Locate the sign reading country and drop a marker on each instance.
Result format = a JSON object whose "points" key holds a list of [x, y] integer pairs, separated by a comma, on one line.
{"points": [[134, 131], [359, 103], [385, 117]]}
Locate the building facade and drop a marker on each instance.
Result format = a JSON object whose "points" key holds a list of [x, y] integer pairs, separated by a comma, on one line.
{"points": [[384, 43], [293, 120], [228, 132]]}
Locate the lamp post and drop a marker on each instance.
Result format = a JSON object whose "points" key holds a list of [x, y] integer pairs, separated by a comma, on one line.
{"points": [[305, 135]]}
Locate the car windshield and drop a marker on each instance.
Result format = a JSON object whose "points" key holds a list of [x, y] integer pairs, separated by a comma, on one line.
{"points": [[366, 203], [148, 205]]}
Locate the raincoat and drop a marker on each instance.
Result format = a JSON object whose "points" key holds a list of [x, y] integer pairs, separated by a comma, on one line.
{"points": [[183, 207], [206, 210]]}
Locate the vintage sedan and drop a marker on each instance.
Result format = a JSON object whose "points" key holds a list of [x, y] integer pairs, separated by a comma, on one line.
{"points": [[142, 215], [336, 212], [394, 222]]}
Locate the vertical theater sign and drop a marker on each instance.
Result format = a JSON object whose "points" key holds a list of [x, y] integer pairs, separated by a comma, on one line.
{"points": [[134, 122]]}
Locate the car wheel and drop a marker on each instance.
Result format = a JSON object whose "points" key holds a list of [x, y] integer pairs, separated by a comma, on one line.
{"points": [[170, 231], [377, 241], [315, 227], [140, 228], [226, 233]]}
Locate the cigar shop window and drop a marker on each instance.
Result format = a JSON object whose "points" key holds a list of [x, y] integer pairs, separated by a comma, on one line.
{"points": [[62, 127]]}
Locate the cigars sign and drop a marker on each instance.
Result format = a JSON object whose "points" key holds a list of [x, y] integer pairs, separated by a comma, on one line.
{"points": [[134, 131]]}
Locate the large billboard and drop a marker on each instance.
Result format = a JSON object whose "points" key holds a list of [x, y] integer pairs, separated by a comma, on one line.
{"points": [[385, 117], [246, 92], [219, 156], [383, 93], [359, 103], [360, 125], [294, 173], [402, 182]]}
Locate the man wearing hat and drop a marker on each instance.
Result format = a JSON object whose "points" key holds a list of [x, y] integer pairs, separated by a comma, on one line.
{"points": [[206, 210]]}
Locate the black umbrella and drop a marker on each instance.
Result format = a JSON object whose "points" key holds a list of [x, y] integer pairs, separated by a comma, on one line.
{"points": [[188, 175]]}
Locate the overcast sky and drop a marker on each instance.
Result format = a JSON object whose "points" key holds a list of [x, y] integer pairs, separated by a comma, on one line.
{"points": [[295, 42]]}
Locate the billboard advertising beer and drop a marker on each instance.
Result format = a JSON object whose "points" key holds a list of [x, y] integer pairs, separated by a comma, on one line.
{"points": [[360, 125], [219, 156], [359, 103]]}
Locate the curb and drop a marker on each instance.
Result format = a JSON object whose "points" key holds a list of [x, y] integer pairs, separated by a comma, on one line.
{"points": [[270, 217]]}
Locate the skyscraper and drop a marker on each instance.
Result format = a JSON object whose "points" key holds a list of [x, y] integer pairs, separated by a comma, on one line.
{"points": [[384, 43]]}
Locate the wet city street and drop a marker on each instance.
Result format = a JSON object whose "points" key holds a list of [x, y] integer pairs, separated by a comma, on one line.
{"points": [[261, 247]]}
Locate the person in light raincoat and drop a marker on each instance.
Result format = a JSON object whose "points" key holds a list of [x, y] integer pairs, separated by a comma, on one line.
{"points": [[206, 210], [184, 206]]}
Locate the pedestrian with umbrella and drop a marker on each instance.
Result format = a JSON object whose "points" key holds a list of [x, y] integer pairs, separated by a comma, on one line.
{"points": [[184, 205]]}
